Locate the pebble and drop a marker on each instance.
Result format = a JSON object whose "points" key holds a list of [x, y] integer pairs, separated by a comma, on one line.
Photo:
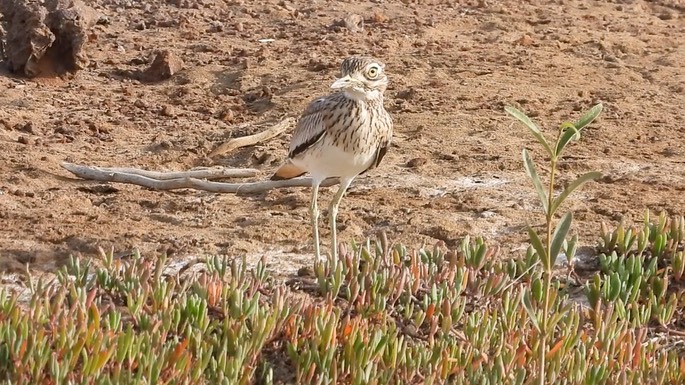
{"points": [[666, 16], [28, 128], [380, 17], [164, 66], [525, 41], [416, 162], [354, 23], [168, 110]]}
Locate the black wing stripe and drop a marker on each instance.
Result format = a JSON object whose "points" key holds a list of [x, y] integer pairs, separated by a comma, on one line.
{"points": [[380, 153], [304, 146]]}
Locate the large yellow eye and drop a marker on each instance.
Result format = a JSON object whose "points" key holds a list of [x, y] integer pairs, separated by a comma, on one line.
{"points": [[372, 72]]}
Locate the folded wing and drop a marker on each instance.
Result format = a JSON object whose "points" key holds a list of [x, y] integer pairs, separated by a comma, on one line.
{"points": [[310, 129]]}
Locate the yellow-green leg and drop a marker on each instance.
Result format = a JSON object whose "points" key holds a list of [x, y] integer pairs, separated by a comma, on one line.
{"points": [[314, 214], [333, 214]]}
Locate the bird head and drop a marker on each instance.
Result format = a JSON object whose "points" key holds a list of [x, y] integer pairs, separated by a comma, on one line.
{"points": [[363, 78]]}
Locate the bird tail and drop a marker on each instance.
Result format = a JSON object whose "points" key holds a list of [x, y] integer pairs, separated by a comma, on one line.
{"points": [[287, 171]]}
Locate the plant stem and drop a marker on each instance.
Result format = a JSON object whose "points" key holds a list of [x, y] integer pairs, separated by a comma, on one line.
{"points": [[547, 272]]}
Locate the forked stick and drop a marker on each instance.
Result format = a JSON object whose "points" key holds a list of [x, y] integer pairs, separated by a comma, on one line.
{"points": [[191, 179], [252, 139], [138, 177], [89, 172]]}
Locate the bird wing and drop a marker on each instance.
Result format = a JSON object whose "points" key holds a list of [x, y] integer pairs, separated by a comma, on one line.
{"points": [[380, 153], [383, 146], [311, 127], [287, 171]]}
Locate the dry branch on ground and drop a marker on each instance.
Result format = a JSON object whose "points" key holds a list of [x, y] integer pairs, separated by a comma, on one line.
{"points": [[186, 179], [89, 172], [252, 139], [193, 178]]}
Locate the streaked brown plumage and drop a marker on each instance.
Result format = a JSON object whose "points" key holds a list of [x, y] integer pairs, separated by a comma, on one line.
{"points": [[342, 135]]}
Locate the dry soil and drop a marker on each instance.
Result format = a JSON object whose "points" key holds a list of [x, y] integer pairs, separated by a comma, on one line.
{"points": [[455, 166]]}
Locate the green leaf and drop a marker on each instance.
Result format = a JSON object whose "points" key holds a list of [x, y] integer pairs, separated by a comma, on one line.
{"points": [[569, 132], [571, 187], [536, 289], [559, 235], [537, 244], [528, 306], [557, 316], [614, 287], [533, 175], [531, 126], [588, 117]]}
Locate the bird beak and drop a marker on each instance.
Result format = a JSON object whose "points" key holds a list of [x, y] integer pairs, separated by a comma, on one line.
{"points": [[343, 82]]}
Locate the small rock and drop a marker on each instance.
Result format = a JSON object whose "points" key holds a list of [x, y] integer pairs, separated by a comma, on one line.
{"points": [[487, 214], [416, 162], [23, 139], [317, 65], [27, 127], [24, 193], [216, 26], [406, 94], [524, 41], [164, 66], [165, 144], [168, 110], [226, 115], [103, 20], [262, 158], [379, 17], [136, 61], [666, 16], [353, 23]]}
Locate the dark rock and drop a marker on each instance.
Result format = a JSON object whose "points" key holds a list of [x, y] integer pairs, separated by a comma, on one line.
{"points": [[164, 66], [46, 38]]}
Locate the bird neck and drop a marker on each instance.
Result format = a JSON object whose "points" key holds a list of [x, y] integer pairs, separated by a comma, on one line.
{"points": [[370, 97]]}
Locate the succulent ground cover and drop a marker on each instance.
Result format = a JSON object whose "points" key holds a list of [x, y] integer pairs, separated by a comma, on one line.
{"points": [[379, 314]]}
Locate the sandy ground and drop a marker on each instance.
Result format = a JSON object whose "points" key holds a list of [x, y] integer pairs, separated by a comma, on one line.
{"points": [[454, 168]]}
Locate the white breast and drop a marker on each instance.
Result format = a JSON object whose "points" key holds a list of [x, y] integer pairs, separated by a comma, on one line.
{"points": [[327, 160]]}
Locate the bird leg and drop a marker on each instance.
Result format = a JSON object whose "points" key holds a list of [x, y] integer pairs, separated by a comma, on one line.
{"points": [[314, 214], [333, 213]]}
